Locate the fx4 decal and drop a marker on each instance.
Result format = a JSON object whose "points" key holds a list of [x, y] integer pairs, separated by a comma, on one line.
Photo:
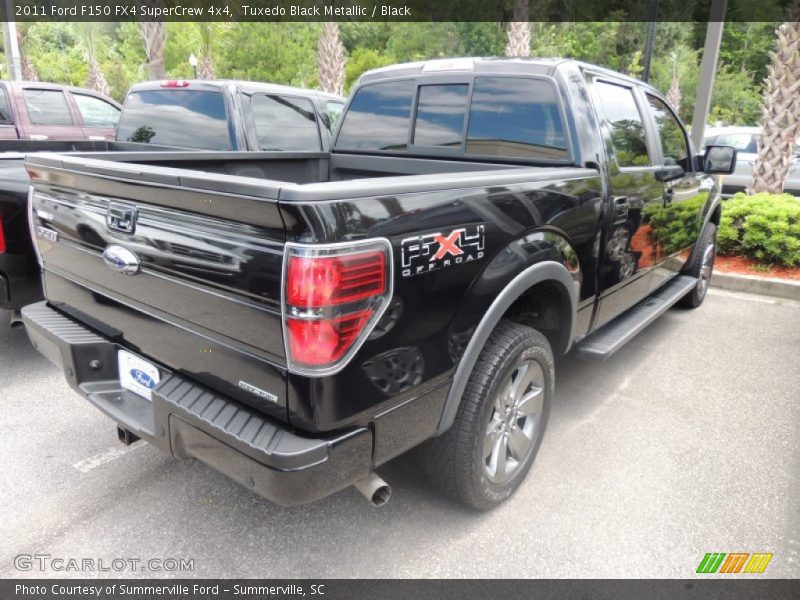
{"points": [[432, 251]]}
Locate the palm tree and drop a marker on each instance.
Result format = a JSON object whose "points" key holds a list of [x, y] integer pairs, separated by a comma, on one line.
{"points": [[23, 41], [780, 120], [519, 31], [154, 38], [206, 63], [95, 79], [330, 59]]}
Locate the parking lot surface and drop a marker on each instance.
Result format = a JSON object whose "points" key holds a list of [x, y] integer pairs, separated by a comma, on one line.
{"points": [[685, 442]]}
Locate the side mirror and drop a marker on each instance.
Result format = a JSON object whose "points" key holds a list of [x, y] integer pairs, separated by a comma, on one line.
{"points": [[719, 160], [669, 173]]}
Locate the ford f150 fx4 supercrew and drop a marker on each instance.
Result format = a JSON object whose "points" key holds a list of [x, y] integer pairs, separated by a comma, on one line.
{"points": [[297, 321]]}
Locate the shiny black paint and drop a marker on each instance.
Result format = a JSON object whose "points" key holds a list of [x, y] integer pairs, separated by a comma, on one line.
{"points": [[524, 223]]}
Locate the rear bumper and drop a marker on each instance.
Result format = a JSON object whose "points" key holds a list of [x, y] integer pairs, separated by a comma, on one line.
{"points": [[188, 420]]}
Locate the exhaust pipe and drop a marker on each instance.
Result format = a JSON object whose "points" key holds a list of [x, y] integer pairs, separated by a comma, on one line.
{"points": [[16, 319], [374, 489]]}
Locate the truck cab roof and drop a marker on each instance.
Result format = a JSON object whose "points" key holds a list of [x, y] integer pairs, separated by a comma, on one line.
{"points": [[489, 65]]}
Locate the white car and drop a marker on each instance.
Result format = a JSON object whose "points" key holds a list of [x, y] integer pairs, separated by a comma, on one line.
{"points": [[745, 140]]}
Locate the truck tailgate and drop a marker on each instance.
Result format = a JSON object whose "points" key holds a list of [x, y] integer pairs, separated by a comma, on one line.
{"points": [[206, 296]]}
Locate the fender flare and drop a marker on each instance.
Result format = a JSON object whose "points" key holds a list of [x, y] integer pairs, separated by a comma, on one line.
{"points": [[538, 273]]}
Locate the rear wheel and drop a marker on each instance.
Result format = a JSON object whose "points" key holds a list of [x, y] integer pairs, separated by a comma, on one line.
{"points": [[484, 457], [701, 267]]}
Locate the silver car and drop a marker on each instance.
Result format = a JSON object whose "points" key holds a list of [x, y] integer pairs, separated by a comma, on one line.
{"points": [[745, 140]]}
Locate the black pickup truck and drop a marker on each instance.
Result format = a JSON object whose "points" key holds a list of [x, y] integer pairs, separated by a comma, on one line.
{"points": [[296, 321]]}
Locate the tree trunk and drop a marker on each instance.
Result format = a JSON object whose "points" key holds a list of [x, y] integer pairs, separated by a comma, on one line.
{"points": [[331, 60], [519, 31], [154, 38], [26, 66], [674, 91], [95, 80], [206, 62], [206, 68], [780, 120]]}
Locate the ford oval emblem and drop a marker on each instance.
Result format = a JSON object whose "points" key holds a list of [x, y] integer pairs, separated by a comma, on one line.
{"points": [[121, 259], [143, 378]]}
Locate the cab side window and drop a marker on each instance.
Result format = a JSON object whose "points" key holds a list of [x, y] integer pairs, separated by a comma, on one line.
{"points": [[47, 107], [673, 137], [625, 122]]}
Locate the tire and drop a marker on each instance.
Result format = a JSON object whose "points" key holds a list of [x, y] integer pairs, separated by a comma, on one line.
{"points": [[701, 267], [463, 463]]}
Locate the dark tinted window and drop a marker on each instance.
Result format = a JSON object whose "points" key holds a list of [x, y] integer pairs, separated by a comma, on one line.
{"points": [[47, 107], [440, 115], [186, 118], [5, 111], [673, 138], [285, 123], [378, 117], [627, 129], [96, 112], [515, 117]]}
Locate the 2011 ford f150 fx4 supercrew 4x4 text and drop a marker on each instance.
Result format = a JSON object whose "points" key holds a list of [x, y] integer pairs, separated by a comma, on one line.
{"points": [[296, 321]]}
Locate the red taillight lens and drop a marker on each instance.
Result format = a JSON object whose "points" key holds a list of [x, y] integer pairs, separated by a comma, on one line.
{"points": [[175, 83], [323, 341], [333, 297], [327, 280], [2, 236]]}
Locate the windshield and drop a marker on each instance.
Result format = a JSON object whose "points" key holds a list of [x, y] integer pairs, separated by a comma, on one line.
{"points": [[176, 117]]}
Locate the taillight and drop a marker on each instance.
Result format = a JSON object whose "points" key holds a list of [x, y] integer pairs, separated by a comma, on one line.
{"points": [[333, 297], [2, 236], [175, 83]]}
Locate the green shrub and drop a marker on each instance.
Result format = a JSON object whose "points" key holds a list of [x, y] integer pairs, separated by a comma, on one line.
{"points": [[765, 227]]}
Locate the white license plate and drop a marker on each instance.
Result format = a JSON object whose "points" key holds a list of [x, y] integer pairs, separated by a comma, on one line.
{"points": [[137, 375]]}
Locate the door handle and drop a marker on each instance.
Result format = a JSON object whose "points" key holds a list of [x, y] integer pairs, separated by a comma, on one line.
{"points": [[621, 206]]}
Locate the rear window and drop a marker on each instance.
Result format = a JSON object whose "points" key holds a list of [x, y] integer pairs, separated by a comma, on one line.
{"points": [[176, 117], [510, 117], [379, 117], [516, 117], [440, 115], [285, 123], [47, 107]]}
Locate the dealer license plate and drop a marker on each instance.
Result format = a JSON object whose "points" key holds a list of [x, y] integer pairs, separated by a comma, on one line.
{"points": [[137, 375]]}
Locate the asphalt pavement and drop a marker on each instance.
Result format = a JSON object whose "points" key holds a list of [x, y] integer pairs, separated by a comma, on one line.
{"points": [[685, 442]]}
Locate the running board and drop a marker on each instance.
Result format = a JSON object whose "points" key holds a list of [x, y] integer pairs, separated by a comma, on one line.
{"points": [[615, 334]]}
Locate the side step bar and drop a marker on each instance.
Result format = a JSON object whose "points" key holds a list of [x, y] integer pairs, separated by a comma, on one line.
{"points": [[614, 335]]}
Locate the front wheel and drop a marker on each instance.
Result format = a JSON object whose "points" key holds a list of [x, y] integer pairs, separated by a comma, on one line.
{"points": [[701, 267], [484, 457]]}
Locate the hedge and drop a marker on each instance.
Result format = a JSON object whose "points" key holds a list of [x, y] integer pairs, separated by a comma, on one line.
{"points": [[765, 227]]}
